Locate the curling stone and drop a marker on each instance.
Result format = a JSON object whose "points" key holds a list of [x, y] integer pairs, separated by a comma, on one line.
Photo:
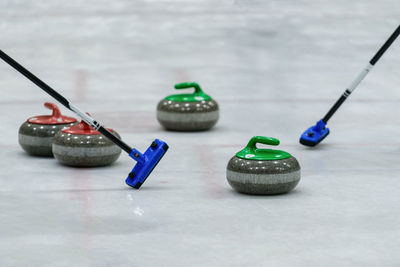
{"points": [[188, 112], [83, 146], [261, 171], [36, 134]]}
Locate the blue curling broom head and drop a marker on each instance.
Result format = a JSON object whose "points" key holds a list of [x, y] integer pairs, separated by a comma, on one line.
{"points": [[145, 163], [315, 134]]}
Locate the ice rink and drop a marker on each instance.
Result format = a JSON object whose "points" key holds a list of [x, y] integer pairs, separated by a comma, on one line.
{"points": [[274, 67]]}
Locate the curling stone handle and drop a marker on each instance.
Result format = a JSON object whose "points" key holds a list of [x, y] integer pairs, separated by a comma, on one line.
{"points": [[262, 140], [54, 108], [196, 86], [84, 126]]}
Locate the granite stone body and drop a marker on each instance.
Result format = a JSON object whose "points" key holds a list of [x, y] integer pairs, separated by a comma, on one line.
{"points": [[37, 139], [36, 134], [187, 116], [263, 177], [83, 150]]}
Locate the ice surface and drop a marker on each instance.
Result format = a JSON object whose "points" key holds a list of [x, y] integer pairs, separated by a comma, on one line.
{"points": [[275, 68]]}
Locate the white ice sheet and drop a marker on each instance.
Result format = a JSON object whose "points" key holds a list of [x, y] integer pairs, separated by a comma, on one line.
{"points": [[275, 67]]}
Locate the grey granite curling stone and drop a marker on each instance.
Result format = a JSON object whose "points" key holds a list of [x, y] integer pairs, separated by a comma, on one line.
{"points": [[83, 146], [263, 171], [36, 134], [188, 112]]}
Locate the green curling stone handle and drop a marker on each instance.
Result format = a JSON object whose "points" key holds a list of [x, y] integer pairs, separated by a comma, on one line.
{"points": [[251, 151], [262, 140], [197, 96], [186, 85]]}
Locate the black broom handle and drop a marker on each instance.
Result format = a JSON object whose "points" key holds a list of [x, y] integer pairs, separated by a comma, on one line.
{"points": [[64, 101], [362, 75]]}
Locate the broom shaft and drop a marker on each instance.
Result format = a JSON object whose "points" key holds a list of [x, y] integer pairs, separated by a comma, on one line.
{"points": [[64, 101], [362, 75]]}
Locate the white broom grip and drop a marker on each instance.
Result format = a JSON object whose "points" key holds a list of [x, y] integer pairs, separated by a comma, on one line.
{"points": [[89, 120], [360, 77]]}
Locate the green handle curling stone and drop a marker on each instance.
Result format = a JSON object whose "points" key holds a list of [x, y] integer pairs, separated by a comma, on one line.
{"points": [[251, 152], [263, 171], [195, 111]]}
